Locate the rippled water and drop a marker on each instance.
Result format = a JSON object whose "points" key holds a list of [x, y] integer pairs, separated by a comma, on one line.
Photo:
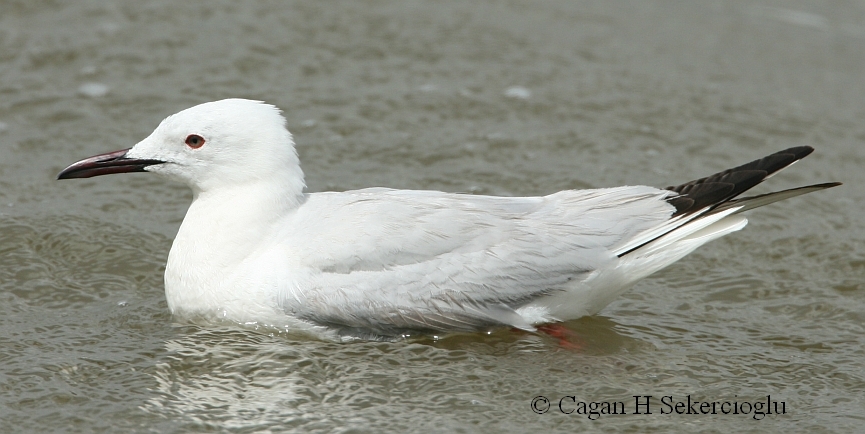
{"points": [[489, 97]]}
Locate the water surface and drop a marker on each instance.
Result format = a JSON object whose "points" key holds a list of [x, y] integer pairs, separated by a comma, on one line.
{"points": [[486, 97]]}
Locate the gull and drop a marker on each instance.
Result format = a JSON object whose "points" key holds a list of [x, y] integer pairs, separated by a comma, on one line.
{"points": [[380, 263]]}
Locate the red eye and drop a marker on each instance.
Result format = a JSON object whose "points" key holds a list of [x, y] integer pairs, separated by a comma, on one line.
{"points": [[194, 141]]}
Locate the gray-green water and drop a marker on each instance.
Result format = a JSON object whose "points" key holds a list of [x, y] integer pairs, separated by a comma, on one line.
{"points": [[490, 97]]}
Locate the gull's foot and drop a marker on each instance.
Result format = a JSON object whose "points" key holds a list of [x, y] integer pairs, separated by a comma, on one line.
{"points": [[568, 339]]}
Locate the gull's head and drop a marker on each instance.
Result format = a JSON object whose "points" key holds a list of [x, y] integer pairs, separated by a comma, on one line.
{"points": [[228, 142]]}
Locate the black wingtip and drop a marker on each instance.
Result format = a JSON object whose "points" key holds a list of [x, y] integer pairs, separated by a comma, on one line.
{"points": [[716, 189]]}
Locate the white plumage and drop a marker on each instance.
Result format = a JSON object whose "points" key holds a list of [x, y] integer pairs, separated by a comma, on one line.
{"points": [[381, 263]]}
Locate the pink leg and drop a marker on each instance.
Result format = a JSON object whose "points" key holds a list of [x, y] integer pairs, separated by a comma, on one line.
{"points": [[567, 338]]}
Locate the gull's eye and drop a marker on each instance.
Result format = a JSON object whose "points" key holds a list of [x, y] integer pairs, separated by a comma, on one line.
{"points": [[194, 141]]}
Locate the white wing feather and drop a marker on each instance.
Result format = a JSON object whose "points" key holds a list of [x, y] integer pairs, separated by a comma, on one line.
{"points": [[439, 261]]}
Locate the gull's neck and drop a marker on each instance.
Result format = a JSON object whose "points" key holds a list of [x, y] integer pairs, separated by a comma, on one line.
{"points": [[222, 227]]}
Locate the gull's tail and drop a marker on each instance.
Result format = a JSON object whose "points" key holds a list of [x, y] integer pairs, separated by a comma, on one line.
{"points": [[704, 206]]}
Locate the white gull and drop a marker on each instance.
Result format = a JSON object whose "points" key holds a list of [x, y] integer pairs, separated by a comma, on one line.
{"points": [[383, 263]]}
